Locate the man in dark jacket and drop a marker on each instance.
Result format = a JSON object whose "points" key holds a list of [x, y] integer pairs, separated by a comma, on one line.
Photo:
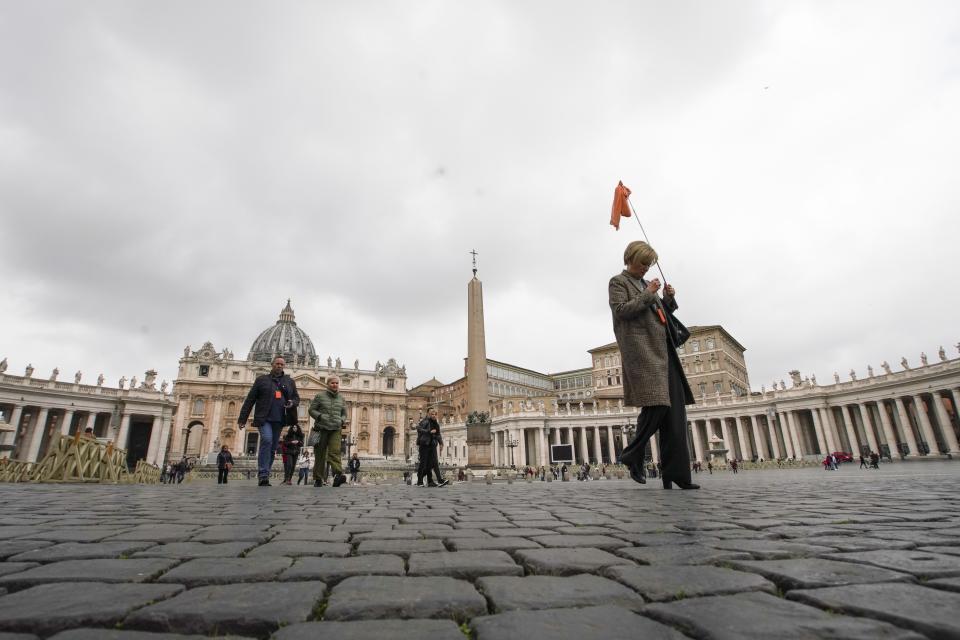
{"points": [[354, 467], [428, 439], [224, 464], [273, 394]]}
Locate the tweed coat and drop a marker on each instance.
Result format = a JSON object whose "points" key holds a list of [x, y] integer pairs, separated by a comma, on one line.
{"points": [[642, 339]]}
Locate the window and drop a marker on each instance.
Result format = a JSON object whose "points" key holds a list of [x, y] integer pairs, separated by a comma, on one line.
{"points": [[606, 361], [389, 414], [204, 370], [618, 379], [390, 383], [717, 387], [198, 407], [710, 343], [703, 388], [609, 382], [366, 384], [695, 346], [235, 375]]}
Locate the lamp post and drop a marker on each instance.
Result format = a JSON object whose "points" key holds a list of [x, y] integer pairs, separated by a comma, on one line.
{"points": [[512, 443], [629, 429], [345, 443]]}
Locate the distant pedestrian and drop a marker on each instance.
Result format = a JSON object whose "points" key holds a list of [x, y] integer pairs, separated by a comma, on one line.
{"points": [[733, 465], [306, 463], [874, 460], [275, 397], [354, 467], [710, 466], [291, 445], [224, 464], [863, 462]]}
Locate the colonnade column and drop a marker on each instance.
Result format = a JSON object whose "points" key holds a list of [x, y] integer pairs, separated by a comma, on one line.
{"points": [[907, 428], [746, 453], [11, 437], [154, 439], [584, 452], [761, 451], [727, 440], [697, 445], [37, 436], [121, 442], [610, 443], [888, 432], [597, 449], [522, 437], [556, 435], [945, 426], [818, 429], [851, 433], [772, 432], [67, 421], [925, 427], [654, 449], [793, 419], [787, 439], [868, 428], [829, 429], [542, 442]]}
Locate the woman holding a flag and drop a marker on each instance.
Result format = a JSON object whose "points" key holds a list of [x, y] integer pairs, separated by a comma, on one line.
{"points": [[653, 378]]}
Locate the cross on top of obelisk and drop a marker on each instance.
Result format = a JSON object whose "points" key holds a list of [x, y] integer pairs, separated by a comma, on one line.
{"points": [[473, 252]]}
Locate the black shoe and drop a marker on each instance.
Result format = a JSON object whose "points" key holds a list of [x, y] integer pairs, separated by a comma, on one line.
{"points": [[443, 483], [432, 484], [686, 486], [418, 484], [318, 483], [637, 474], [265, 482]]}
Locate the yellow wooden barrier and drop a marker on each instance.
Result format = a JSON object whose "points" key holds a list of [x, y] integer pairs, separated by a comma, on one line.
{"points": [[79, 459]]}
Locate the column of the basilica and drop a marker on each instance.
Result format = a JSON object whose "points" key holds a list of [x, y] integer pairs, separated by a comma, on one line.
{"points": [[154, 439], [555, 433], [570, 441], [36, 436], [946, 427], [542, 442], [789, 451], [772, 433], [793, 420], [828, 435], [215, 426], [925, 426], [907, 428], [584, 452], [868, 427], [597, 449], [623, 440], [522, 449]]}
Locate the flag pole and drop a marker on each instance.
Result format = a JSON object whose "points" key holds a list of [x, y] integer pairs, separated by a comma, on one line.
{"points": [[637, 218]]}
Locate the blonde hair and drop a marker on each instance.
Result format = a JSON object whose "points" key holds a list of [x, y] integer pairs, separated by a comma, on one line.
{"points": [[639, 251], [332, 378]]}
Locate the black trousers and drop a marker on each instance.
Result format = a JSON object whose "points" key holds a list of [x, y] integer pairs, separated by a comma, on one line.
{"points": [[671, 423], [222, 476], [429, 462]]}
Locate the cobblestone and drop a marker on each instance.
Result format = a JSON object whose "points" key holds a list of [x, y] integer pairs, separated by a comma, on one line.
{"points": [[804, 553]]}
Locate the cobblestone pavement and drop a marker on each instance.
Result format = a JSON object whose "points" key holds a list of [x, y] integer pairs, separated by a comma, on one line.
{"points": [[788, 554]]}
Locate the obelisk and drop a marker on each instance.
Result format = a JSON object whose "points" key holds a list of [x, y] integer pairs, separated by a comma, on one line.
{"points": [[478, 433]]}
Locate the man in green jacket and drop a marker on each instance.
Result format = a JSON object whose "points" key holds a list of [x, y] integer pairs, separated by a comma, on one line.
{"points": [[329, 413]]}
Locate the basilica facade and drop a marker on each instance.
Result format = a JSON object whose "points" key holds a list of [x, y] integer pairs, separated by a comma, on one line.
{"points": [[212, 384]]}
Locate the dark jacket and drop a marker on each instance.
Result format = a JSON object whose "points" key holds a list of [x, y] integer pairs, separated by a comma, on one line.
{"points": [[354, 464], [293, 439], [223, 459], [424, 437], [261, 394]]}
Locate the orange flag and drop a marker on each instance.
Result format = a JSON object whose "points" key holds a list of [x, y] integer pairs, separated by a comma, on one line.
{"points": [[620, 205]]}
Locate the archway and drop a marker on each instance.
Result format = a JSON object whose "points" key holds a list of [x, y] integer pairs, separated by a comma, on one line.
{"points": [[191, 439], [388, 436]]}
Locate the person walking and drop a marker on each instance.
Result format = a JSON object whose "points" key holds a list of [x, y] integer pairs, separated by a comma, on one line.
{"points": [[224, 464], [274, 394], [354, 467], [428, 441], [653, 377], [329, 413], [305, 466], [292, 443], [863, 462]]}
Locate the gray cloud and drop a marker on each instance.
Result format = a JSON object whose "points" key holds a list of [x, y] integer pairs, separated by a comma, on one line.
{"points": [[172, 173]]}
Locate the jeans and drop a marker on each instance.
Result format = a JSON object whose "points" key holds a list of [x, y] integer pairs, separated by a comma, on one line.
{"points": [[269, 443], [304, 475], [222, 475]]}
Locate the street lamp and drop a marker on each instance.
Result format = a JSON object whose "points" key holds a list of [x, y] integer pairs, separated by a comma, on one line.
{"points": [[345, 443], [629, 429], [512, 444]]}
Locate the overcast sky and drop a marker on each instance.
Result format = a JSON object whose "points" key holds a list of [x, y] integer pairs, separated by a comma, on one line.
{"points": [[172, 172]]}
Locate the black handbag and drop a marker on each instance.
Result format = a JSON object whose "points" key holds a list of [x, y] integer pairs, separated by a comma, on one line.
{"points": [[678, 331]]}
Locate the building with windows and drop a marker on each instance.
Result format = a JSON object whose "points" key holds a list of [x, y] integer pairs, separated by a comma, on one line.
{"points": [[212, 385]]}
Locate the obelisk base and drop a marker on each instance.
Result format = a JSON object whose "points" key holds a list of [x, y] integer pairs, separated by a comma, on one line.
{"points": [[479, 446]]}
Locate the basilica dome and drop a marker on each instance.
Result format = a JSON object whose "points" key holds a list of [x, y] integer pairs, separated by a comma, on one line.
{"points": [[285, 339]]}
